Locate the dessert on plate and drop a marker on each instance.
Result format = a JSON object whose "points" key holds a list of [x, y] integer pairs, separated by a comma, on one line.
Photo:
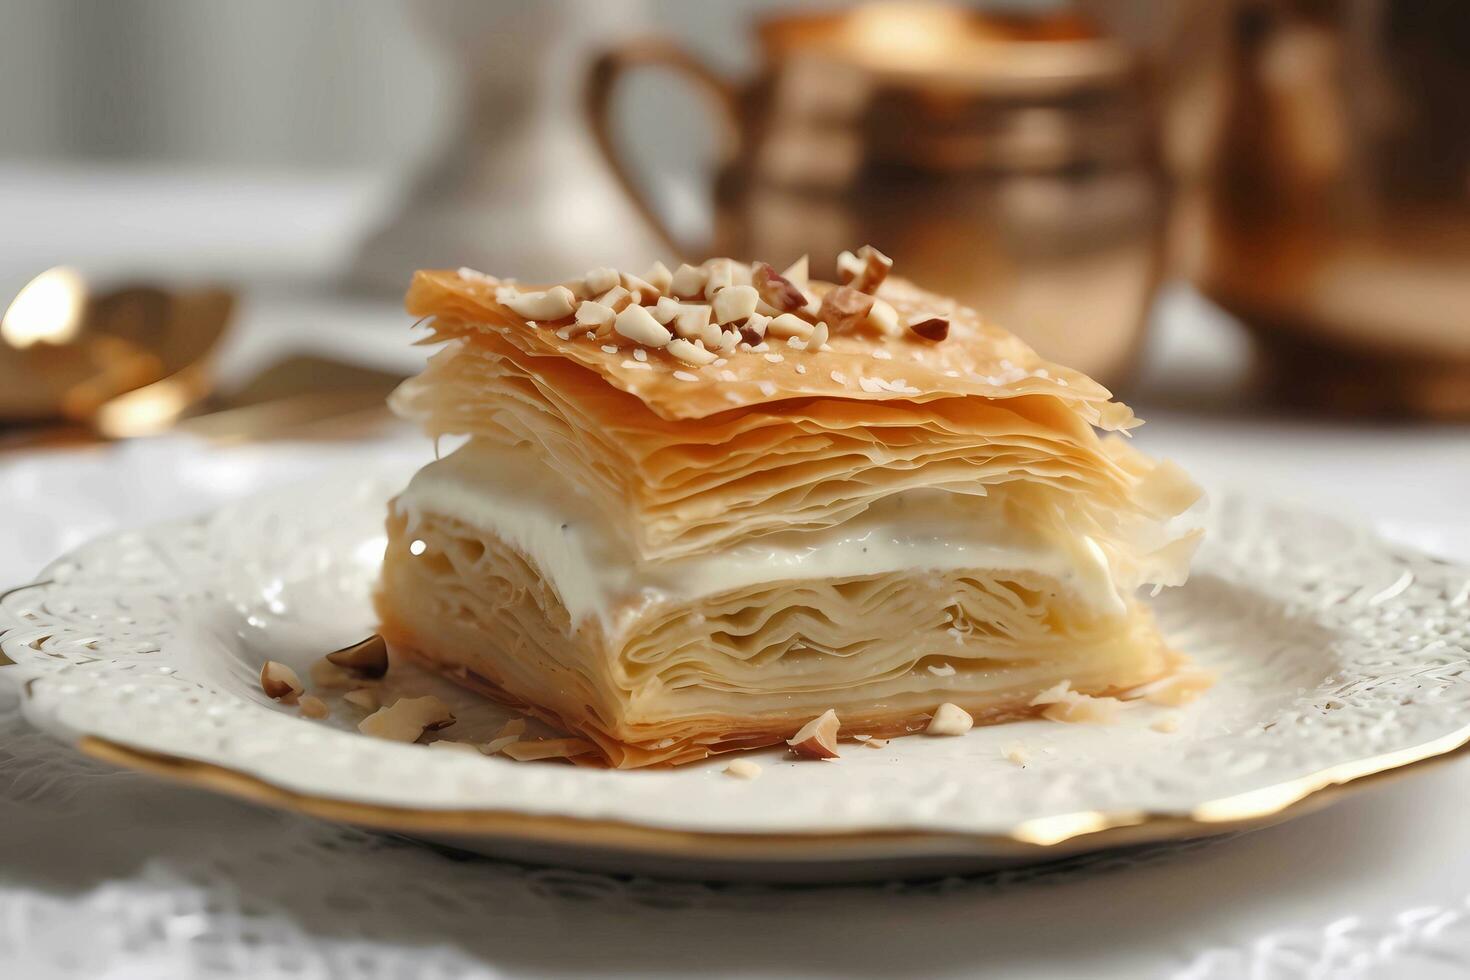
{"points": [[696, 510]]}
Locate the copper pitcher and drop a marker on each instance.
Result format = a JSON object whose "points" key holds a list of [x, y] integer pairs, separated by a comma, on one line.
{"points": [[1009, 161], [1330, 148]]}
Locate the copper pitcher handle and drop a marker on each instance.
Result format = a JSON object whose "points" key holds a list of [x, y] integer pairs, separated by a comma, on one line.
{"points": [[612, 67]]}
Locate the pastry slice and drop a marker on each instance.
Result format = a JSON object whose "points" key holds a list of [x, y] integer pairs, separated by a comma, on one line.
{"points": [[692, 511]]}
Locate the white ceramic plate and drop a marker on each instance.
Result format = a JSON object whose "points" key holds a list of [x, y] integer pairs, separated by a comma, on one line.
{"points": [[1339, 657]]}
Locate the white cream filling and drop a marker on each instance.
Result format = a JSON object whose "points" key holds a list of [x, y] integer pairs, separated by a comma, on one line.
{"points": [[513, 494]]}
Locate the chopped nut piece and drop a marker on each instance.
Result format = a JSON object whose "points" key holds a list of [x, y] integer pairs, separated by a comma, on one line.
{"points": [[643, 291], [368, 658], [819, 337], [1017, 754], [776, 290], [616, 299], [844, 308], [450, 745], [326, 674], [742, 769], [280, 682], [817, 739], [789, 325], [551, 748], [554, 304], [639, 326], [884, 318], [797, 273], [728, 340], [595, 315], [1167, 724], [689, 353], [666, 309], [659, 277], [864, 271], [578, 288], [314, 707], [719, 273], [362, 698], [692, 320], [407, 718], [600, 280], [688, 281], [930, 326], [876, 743], [950, 719], [735, 303], [710, 336]]}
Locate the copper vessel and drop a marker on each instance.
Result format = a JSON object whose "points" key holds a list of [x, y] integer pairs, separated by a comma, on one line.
{"points": [[1328, 144], [1010, 161]]}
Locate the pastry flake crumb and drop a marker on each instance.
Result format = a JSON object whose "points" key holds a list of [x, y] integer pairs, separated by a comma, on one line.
{"points": [[950, 719], [817, 739], [742, 769], [406, 719], [942, 670], [550, 748], [1167, 724], [1177, 689], [1061, 703], [280, 682]]}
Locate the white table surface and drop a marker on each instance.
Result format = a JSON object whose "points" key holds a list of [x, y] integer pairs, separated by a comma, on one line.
{"points": [[110, 874]]}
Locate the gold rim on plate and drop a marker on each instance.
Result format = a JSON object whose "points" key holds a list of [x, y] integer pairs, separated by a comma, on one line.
{"points": [[1042, 838]]}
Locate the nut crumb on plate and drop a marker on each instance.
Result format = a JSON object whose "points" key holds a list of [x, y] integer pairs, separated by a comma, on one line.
{"points": [[950, 719], [742, 769], [406, 719], [817, 739], [280, 682]]}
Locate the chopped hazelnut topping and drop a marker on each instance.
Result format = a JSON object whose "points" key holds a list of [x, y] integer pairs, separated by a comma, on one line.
{"points": [[819, 336], [689, 353], [742, 769], [600, 280], [950, 719], [616, 299], [734, 303], [688, 281], [789, 325], [666, 309], [555, 303], [595, 315], [362, 698], [692, 320], [884, 318], [776, 290], [817, 739], [643, 292], [686, 376], [1017, 754], [727, 341], [719, 273], [797, 273], [313, 707], [406, 719], [639, 326], [578, 288], [280, 682], [864, 271], [368, 658], [659, 277], [876, 743], [930, 326], [844, 308]]}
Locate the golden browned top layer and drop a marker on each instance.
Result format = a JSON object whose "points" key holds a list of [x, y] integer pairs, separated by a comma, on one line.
{"points": [[688, 354]]}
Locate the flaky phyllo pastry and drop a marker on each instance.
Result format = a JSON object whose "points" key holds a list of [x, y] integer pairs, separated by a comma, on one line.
{"points": [[697, 510]]}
